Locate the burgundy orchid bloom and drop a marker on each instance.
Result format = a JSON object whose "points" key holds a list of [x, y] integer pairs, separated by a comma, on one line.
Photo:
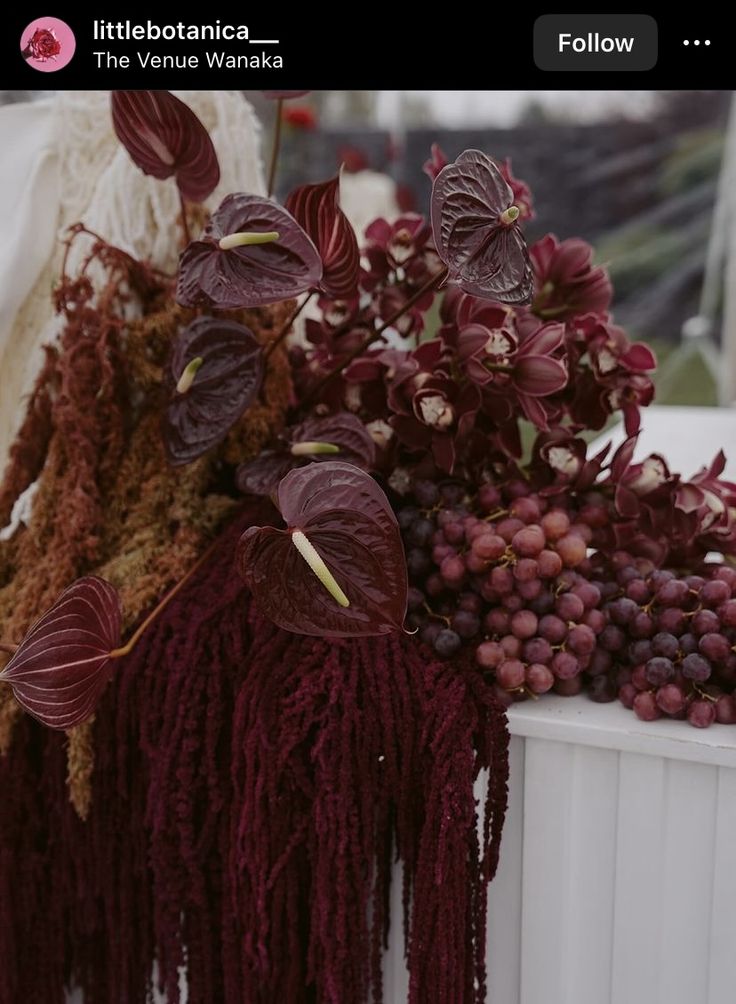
{"points": [[620, 368], [476, 230], [253, 252], [393, 246], [567, 283], [437, 160]]}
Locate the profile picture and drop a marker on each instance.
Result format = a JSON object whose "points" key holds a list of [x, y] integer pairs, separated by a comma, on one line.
{"points": [[47, 44]]}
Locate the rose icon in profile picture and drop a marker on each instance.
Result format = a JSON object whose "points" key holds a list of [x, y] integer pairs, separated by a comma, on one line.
{"points": [[47, 44]]}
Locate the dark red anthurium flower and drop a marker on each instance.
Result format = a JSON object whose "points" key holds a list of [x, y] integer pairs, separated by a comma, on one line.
{"points": [[215, 371], [316, 208], [336, 437], [476, 230], [253, 252], [165, 138], [567, 282], [62, 665], [338, 569], [283, 95]]}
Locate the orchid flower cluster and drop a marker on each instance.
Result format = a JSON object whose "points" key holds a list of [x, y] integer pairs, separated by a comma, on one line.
{"points": [[525, 338]]}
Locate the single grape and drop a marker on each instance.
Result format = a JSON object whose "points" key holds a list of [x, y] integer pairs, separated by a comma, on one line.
{"points": [[569, 607], [582, 530], [454, 533], [621, 559], [612, 638], [660, 576], [638, 590], [512, 602], [452, 571], [714, 593], [688, 643], [726, 709], [626, 575], [434, 585], [539, 678], [588, 593], [420, 532], [510, 674], [581, 640], [489, 546], [466, 624], [428, 634], [447, 643], [665, 644], [701, 713], [555, 524], [602, 690], [517, 488], [529, 541], [695, 667], [489, 654], [527, 509], [529, 590], [671, 593], [406, 517], [601, 662], [471, 602], [595, 515], [727, 575], [570, 687], [694, 583], [623, 610], [572, 549], [542, 604], [502, 696], [673, 620], [511, 646], [626, 694], [489, 497], [714, 647], [642, 625], [645, 706], [727, 613], [501, 579], [524, 624], [474, 564], [426, 493], [565, 665], [641, 651], [671, 699], [537, 650], [553, 629], [415, 598], [418, 563], [705, 622], [549, 564], [639, 677], [659, 670], [452, 494], [595, 619], [525, 569], [497, 621]]}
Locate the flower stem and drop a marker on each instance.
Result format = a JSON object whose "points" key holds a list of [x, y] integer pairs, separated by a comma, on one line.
{"points": [[184, 220], [276, 146], [126, 649], [373, 336], [287, 327]]}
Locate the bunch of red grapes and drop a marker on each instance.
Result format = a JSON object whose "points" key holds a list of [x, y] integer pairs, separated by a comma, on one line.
{"points": [[515, 576]]}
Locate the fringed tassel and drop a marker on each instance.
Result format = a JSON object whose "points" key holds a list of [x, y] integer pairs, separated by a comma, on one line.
{"points": [[251, 791]]}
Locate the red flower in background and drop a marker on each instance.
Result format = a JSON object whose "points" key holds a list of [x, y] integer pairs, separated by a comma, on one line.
{"points": [[300, 117], [567, 282], [522, 192], [42, 45]]}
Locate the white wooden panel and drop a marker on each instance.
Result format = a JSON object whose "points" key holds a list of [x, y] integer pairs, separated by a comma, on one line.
{"points": [[395, 973], [546, 867], [594, 812], [639, 880], [721, 963], [503, 957], [685, 905]]}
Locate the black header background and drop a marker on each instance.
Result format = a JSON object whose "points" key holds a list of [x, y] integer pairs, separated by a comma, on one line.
{"points": [[384, 48]]}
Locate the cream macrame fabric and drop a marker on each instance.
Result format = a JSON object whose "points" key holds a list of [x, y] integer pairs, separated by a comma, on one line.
{"points": [[63, 164]]}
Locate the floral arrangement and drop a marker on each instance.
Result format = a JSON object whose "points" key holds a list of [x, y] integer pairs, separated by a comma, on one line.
{"points": [[379, 536], [560, 569]]}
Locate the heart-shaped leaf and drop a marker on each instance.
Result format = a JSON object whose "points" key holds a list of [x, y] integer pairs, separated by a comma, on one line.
{"points": [[336, 437], [164, 137], [215, 371], [353, 581], [317, 209], [62, 665], [275, 259], [476, 230]]}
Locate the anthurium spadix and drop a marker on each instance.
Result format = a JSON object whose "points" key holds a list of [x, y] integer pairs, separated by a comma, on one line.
{"points": [[338, 568]]}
